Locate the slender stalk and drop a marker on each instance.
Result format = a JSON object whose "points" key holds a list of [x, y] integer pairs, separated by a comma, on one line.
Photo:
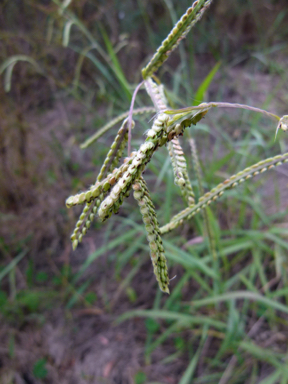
{"points": [[131, 115], [213, 104]]}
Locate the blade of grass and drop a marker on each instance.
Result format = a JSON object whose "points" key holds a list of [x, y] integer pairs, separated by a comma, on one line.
{"points": [[168, 315], [164, 336], [77, 294], [9, 64], [273, 378], [12, 264], [176, 292], [241, 295], [202, 89], [187, 260], [263, 354], [108, 247], [188, 374], [116, 65]]}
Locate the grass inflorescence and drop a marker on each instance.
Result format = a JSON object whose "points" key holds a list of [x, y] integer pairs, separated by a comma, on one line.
{"points": [[225, 319], [167, 126]]}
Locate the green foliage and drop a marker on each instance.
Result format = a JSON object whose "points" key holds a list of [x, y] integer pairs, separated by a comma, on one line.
{"points": [[41, 277], [91, 298], [131, 294], [152, 325], [11, 265], [140, 378], [39, 369]]}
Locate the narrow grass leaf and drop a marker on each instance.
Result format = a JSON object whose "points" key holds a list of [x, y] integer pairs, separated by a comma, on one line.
{"points": [[176, 292], [273, 378], [112, 123], [77, 294], [187, 260], [188, 374], [164, 336], [116, 65], [66, 32], [108, 247], [241, 295], [262, 354], [12, 264], [9, 64], [201, 91], [167, 315]]}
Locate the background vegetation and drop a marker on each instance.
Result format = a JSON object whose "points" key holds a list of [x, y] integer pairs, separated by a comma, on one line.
{"points": [[96, 315]]}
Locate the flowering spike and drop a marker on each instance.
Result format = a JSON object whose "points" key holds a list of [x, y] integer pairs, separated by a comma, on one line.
{"points": [[156, 94], [141, 194], [218, 191], [96, 195], [179, 32], [107, 194], [156, 137], [181, 176], [116, 150]]}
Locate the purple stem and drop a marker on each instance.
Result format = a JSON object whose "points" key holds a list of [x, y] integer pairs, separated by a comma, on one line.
{"points": [[131, 115]]}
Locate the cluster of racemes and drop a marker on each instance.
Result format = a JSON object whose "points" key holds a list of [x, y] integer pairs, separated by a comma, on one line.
{"points": [[114, 184], [106, 196]]}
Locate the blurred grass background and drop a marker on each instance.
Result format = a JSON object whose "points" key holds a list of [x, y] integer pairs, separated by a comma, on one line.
{"points": [[96, 315]]}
